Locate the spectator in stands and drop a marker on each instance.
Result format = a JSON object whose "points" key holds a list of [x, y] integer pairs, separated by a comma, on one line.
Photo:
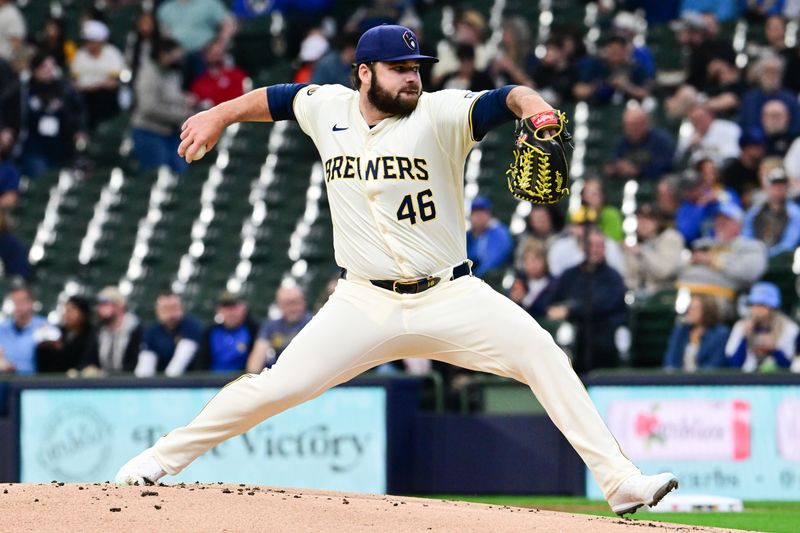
{"points": [[608, 217], [775, 125], [335, 66], [300, 15], [697, 341], [698, 35], [12, 30], [776, 221], [13, 254], [768, 75], [467, 77], [765, 339], [20, 332], [652, 264], [95, 72], [515, 61], [142, 42], [170, 344], [54, 118], [555, 74], [470, 28], [591, 295], [741, 174], [717, 138], [195, 23], [626, 25], [489, 243], [726, 264], [775, 36], [312, 49], [643, 151], [768, 164], [697, 208], [543, 225], [709, 172], [119, 335], [220, 82], [613, 76], [668, 198], [533, 285], [52, 40], [72, 350], [275, 335], [725, 87], [569, 250], [161, 108], [228, 342]]}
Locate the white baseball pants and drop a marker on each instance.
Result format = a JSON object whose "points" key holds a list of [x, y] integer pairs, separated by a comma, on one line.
{"points": [[463, 322]]}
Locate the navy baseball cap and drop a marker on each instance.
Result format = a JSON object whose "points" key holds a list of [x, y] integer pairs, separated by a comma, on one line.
{"points": [[389, 42]]}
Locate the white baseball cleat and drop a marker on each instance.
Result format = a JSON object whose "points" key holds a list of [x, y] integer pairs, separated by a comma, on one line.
{"points": [[141, 470], [641, 490]]}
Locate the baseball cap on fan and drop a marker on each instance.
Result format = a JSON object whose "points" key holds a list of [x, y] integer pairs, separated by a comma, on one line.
{"points": [[389, 42]]}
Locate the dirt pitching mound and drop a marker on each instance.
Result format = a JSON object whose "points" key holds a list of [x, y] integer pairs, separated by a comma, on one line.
{"points": [[95, 507]]}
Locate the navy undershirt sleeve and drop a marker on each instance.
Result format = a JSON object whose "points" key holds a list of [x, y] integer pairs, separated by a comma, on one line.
{"points": [[490, 111], [280, 98]]}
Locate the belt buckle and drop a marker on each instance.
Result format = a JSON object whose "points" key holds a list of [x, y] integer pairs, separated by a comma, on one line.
{"points": [[401, 282], [427, 283]]}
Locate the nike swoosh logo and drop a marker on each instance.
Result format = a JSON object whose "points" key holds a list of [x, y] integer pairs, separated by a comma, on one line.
{"points": [[339, 129]]}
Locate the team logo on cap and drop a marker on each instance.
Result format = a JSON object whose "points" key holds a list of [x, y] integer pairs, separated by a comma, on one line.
{"points": [[408, 38]]}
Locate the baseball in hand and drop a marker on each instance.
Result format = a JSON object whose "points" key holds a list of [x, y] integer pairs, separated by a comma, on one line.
{"points": [[200, 153]]}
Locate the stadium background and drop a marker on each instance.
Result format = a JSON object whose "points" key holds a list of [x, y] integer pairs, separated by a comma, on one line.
{"points": [[254, 212]]}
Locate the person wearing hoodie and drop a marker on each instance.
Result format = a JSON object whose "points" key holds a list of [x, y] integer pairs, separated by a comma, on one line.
{"points": [[119, 335]]}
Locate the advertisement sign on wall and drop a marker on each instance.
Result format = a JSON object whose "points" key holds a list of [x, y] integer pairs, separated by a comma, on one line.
{"points": [[690, 430], [720, 440], [336, 441]]}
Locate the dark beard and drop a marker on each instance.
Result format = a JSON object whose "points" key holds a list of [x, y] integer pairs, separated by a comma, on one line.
{"points": [[386, 103]]}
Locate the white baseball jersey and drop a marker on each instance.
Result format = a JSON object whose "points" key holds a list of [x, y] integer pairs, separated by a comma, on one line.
{"points": [[396, 189]]}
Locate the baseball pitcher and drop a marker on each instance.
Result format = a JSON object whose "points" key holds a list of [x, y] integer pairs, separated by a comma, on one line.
{"points": [[393, 158]]}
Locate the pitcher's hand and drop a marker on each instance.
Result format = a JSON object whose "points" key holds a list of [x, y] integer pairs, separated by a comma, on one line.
{"points": [[202, 129]]}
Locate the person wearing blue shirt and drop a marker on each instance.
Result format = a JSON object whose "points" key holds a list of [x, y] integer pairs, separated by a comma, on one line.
{"points": [[18, 334], [643, 151], [227, 343], [769, 73], [489, 243], [335, 66], [170, 344], [698, 340], [776, 221], [614, 76], [276, 334]]}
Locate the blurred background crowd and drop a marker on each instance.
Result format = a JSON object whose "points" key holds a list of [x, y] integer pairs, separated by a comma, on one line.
{"points": [[676, 249]]}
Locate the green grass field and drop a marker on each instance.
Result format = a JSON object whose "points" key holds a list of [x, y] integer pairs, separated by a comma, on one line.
{"points": [[779, 517]]}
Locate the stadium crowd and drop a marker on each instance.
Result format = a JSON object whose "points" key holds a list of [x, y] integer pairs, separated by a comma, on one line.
{"points": [[718, 146]]}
